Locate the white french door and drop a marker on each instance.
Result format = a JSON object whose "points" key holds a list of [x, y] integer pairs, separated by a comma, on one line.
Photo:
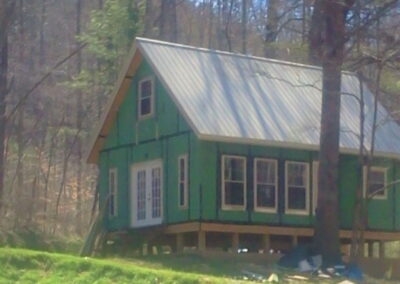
{"points": [[146, 194]]}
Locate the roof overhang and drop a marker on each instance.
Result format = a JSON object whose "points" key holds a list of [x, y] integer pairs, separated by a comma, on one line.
{"points": [[289, 145], [135, 57], [122, 85]]}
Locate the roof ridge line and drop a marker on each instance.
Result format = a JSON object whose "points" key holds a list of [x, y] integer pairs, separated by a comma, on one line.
{"points": [[236, 54]]}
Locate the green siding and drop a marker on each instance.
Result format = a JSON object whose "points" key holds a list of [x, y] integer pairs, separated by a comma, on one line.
{"points": [[381, 213], [167, 135]]}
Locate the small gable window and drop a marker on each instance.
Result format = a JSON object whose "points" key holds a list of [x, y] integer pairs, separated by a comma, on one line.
{"points": [[233, 182], [377, 183], [265, 185], [183, 181], [297, 187], [112, 192], [146, 98]]}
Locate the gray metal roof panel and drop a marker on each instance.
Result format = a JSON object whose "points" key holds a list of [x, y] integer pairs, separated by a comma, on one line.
{"points": [[247, 98]]}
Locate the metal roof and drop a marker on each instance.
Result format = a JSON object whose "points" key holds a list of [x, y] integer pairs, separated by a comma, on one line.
{"points": [[244, 99], [233, 97]]}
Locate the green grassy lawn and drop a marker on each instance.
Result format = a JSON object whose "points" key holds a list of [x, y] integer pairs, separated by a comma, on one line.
{"points": [[25, 266], [28, 266]]}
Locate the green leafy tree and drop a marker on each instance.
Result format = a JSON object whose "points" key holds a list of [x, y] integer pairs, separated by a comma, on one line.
{"points": [[108, 37]]}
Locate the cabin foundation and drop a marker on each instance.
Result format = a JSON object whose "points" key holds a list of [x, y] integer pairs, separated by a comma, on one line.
{"points": [[205, 236]]}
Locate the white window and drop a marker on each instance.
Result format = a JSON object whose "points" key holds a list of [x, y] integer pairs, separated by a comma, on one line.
{"points": [[315, 169], [265, 185], [146, 98], [377, 182], [183, 181], [112, 192], [297, 188], [233, 182]]}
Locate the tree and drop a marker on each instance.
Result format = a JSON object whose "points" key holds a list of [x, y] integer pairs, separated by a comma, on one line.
{"points": [[168, 22], [6, 8], [329, 43]]}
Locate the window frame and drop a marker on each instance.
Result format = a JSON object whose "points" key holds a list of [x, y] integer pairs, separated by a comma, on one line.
{"points": [[265, 209], [152, 98], [113, 191], [185, 181], [229, 206], [379, 169], [306, 210]]}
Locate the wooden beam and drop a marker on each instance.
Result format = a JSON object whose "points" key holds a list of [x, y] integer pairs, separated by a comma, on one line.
{"points": [[179, 242], [256, 229], [235, 242], [266, 243], [201, 243], [182, 228], [295, 241], [370, 252], [381, 249], [270, 230]]}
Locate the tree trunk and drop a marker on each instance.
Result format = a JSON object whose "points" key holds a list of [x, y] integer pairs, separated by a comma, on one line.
{"points": [[148, 19], [315, 37], [5, 10], [244, 26], [271, 28], [327, 222], [79, 118], [168, 22]]}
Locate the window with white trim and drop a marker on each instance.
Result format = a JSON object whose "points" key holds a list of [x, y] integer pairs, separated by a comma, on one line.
{"points": [[377, 182], [233, 182], [315, 169], [183, 181], [146, 98], [112, 192], [297, 187], [265, 185]]}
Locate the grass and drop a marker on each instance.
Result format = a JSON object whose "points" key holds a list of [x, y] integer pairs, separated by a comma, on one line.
{"points": [[28, 266], [25, 266]]}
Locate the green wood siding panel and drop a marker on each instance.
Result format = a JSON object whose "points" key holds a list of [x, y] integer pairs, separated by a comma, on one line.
{"points": [[396, 193], [167, 135], [208, 157], [381, 212], [176, 146]]}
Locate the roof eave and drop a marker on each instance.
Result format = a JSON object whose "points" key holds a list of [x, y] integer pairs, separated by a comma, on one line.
{"points": [[289, 145], [122, 84]]}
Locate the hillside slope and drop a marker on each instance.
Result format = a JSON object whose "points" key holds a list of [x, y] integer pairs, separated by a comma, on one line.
{"points": [[25, 266]]}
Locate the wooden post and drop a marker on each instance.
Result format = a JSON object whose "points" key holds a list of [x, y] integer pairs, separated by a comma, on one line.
{"points": [[381, 249], [295, 241], [266, 243], [235, 242], [201, 243], [370, 249], [179, 242]]}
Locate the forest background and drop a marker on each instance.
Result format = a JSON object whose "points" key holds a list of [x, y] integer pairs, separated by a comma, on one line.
{"points": [[48, 187]]}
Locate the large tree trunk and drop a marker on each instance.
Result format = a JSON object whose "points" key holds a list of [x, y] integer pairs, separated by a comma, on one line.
{"points": [[168, 21], [271, 28], [244, 26], [79, 119], [5, 10], [333, 35]]}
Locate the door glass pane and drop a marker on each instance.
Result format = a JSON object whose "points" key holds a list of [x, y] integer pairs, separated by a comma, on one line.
{"points": [[141, 195], [156, 192]]}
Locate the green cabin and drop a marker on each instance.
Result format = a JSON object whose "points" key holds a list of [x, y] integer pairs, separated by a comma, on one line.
{"points": [[200, 144]]}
